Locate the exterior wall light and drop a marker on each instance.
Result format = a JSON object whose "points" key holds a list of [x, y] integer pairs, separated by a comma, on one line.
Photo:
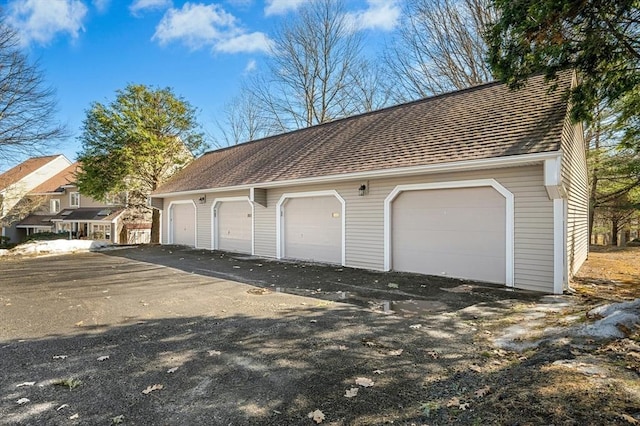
{"points": [[362, 190]]}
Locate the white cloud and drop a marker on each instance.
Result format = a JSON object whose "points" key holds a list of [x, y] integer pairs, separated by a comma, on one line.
{"points": [[41, 20], [380, 15], [252, 65], [141, 5], [280, 7], [101, 5], [254, 42], [200, 25]]}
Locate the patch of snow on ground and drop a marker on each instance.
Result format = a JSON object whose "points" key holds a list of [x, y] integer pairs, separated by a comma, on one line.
{"points": [[611, 321], [53, 247], [611, 318]]}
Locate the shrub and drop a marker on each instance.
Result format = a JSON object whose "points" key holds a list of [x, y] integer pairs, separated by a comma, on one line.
{"points": [[45, 236]]}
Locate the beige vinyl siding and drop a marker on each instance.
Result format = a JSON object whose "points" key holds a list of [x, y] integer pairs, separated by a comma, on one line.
{"points": [[576, 182], [533, 265], [264, 237]]}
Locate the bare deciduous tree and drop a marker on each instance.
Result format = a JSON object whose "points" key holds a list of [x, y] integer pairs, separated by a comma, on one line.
{"points": [[440, 47], [315, 57], [27, 105], [369, 89], [243, 120]]}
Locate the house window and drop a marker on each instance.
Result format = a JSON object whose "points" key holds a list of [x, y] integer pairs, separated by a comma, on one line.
{"points": [[74, 199], [54, 206], [101, 232]]}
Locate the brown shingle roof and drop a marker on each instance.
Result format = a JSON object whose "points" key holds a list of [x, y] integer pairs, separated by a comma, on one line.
{"points": [[65, 177], [482, 122], [18, 172]]}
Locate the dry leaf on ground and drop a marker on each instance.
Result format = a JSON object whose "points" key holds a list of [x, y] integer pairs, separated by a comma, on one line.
{"points": [[213, 353], [60, 356], [378, 371], [433, 354], [75, 416], [475, 368], [396, 352], [415, 326], [62, 406], [482, 392], [150, 389], [464, 406], [317, 416], [629, 419], [103, 358], [364, 382], [172, 370], [23, 401], [350, 393], [453, 402]]}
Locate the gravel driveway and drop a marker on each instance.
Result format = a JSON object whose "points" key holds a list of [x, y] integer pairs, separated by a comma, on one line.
{"points": [[170, 336]]}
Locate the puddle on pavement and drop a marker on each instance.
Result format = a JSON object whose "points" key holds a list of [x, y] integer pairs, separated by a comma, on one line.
{"points": [[418, 307]]}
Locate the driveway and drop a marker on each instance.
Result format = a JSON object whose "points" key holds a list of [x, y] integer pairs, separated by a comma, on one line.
{"points": [[167, 335]]}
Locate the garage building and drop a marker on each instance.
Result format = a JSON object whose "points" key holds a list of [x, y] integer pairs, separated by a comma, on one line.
{"points": [[486, 184]]}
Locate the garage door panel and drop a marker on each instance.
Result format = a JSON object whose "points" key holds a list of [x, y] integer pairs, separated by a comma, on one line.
{"points": [[313, 229], [234, 223], [184, 224], [440, 219], [457, 232], [464, 265]]}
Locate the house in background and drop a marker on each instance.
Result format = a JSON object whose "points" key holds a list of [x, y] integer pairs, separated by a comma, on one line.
{"points": [[484, 184], [17, 182], [63, 209]]}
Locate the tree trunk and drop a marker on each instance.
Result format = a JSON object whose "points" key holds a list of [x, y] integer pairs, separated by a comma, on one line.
{"points": [[592, 202], [614, 232], [155, 226]]}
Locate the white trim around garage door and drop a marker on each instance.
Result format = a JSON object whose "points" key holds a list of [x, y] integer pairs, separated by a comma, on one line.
{"points": [[214, 220], [509, 216], [195, 221], [280, 217]]}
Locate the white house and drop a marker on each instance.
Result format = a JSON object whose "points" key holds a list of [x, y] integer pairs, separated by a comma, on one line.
{"points": [[18, 181]]}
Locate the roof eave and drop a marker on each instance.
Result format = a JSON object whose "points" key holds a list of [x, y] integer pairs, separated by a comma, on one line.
{"points": [[455, 166]]}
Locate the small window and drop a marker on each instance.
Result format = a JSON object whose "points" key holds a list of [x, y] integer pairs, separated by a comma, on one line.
{"points": [[54, 206], [74, 200]]}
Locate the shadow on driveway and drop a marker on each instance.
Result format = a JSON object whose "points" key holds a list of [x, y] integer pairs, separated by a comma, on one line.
{"points": [[406, 293]]}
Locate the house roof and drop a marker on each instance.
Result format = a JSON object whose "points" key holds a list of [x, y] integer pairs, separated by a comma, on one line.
{"points": [[35, 220], [482, 122], [55, 184], [88, 214], [23, 169]]}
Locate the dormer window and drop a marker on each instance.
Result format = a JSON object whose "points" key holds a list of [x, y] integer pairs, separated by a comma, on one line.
{"points": [[74, 199], [54, 206]]}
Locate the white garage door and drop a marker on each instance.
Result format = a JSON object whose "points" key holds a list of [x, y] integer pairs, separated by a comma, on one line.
{"points": [[183, 223], [234, 226], [313, 229], [452, 232]]}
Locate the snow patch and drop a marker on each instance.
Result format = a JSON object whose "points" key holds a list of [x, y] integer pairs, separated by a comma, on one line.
{"points": [[36, 248], [612, 318]]}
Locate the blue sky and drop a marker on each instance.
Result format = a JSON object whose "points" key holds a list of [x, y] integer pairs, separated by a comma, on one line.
{"points": [[87, 49]]}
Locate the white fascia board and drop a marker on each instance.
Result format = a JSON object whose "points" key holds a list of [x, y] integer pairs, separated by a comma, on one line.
{"points": [[455, 166]]}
